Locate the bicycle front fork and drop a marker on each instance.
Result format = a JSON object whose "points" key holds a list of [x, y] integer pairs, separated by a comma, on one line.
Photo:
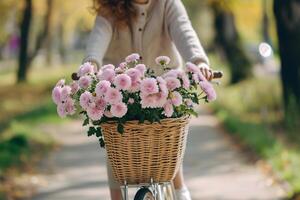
{"points": [[159, 191]]}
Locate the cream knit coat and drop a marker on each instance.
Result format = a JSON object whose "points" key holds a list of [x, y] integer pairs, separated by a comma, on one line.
{"points": [[162, 28]]}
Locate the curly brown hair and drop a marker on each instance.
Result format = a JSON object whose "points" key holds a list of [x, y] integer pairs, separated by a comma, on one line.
{"points": [[122, 12]]}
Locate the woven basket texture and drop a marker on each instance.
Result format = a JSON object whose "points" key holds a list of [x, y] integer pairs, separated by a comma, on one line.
{"points": [[146, 150]]}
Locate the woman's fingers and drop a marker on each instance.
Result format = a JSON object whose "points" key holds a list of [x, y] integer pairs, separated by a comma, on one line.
{"points": [[211, 75], [207, 73], [202, 71]]}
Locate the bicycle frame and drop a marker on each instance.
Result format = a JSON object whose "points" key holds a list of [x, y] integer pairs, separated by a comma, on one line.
{"points": [[161, 191]]}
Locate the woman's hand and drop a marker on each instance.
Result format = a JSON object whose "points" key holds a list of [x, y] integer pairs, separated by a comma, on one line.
{"points": [[206, 71]]}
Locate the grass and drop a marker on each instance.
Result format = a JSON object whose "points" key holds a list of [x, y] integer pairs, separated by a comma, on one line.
{"points": [[20, 145]]}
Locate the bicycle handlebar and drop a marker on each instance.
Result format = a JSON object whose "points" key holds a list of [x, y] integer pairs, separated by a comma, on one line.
{"points": [[217, 74]]}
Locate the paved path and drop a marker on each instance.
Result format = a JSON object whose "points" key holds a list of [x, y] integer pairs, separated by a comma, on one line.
{"points": [[214, 169]]}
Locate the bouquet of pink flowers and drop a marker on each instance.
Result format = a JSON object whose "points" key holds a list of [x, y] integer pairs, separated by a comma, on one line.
{"points": [[131, 92]]}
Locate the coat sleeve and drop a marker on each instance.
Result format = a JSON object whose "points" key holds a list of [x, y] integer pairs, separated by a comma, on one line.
{"points": [[98, 41], [183, 34]]}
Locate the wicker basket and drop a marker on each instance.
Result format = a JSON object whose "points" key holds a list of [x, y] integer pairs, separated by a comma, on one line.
{"points": [[146, 150]]}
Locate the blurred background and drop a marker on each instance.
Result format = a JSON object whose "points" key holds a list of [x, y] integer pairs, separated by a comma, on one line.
{"points": [[256, 43]]}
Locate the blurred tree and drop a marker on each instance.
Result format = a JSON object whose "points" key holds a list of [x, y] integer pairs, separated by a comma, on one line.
{"points": [[49, 34], [25, 27], [266, 23], [287, 14], [43, 36], [26, 58], [228, 40]]}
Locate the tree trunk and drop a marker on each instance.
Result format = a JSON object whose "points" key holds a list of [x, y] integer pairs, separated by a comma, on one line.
{"points": [[25, 27], [227, 38], [49, 37], [26, 58], [266, 23], [61, 45], [42, 37], [287, 14]]}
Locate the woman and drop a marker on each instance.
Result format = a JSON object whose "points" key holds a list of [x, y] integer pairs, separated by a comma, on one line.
{"points": [[151, 28]]}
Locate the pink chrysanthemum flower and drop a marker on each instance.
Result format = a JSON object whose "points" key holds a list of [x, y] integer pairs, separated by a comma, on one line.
{"points": [[86, 68], [163, 89], [123, 65], [162, 85], [189, 102], [153, 100], [113, 96], [130, 100], [185, 81], [162, 60], [135, 87], [85, 99], [134, 74], [160, 80], [148, 100], [168, 109], [100, 103], [119, 109], [66, 108], [74, 87], [172, 73], [122, 82], [176, 98], [119, 70], [85, 81], [92, 103], [108, 66], [149, 86], [192, 68], [142, 68], [208, 90], [102, 87], [61, 110], [70, 106], [132, 58], [161, 99], [94, 113], [172, 83], [196, 78], [65, 93], [108, 75], [56, 94]]}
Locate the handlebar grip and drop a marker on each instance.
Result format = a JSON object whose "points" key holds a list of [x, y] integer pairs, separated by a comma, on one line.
{"points": [[217, 74]]}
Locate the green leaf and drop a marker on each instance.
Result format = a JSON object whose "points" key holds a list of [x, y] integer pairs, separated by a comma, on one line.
{"points": [[120, 128], [91, 131], [151, 118], [101, 142], [86, 122], [155, 116], [142, 119], [99, 132], [97, 123], [206, 100], [192, 112]]}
